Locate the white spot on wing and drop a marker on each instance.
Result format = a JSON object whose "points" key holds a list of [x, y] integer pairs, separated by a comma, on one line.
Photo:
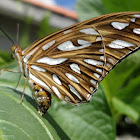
{"points": [[73, 90], [99, 70], [133, 19], [26, 57], [93, 62], [48, 45], [82, 42], [93, 81], [38, 68], [57, 92], [101, 50], [136, 30], [119, 25], [68, 46], [98, 38], [72, 78], [26, 69], [97, 75], [102, 57], [89, 31], [51, 61], [89, 97], [120, 44], [111, 60], [56, 79], [136, 15], [41, 83], [108, 65], [91, 89], [75, 68]]}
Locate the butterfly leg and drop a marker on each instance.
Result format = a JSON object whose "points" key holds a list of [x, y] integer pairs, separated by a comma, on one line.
{"points": [[18, 80], [11, 71], [8, 71], [23, 89]]}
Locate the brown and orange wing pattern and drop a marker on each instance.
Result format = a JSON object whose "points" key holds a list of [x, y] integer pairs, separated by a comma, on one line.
{"points": [[66, 65], [120, 35], [71, 62]]}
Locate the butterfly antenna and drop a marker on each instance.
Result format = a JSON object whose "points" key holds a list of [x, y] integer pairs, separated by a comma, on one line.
{"points": [[7, 36], [17, 33]]}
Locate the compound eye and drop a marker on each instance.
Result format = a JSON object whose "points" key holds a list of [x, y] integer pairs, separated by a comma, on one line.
{"points": [[13, 52]]}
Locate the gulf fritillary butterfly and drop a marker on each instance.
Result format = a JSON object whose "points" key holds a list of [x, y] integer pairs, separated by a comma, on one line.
{"points": [[71, 62]]}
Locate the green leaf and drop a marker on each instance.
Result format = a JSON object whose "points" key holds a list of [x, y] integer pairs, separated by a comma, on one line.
{"points": [[93, 119], [125, 88], [125, 109], [86, 121], [121, 5], [22, 121], [130, 95], [87, 9]]}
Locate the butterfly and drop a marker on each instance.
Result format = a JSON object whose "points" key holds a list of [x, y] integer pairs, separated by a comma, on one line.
{"points": [[70, 63]]}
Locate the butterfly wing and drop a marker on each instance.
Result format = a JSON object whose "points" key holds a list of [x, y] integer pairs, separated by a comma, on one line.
{"points": [[64, 65], [120, 35], [70, 63]]}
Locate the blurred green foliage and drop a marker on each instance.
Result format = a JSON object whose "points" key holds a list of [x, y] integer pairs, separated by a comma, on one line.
{"points": [[45, 28], [5, 57], [25, 37], [87, 9], [118, 94]]}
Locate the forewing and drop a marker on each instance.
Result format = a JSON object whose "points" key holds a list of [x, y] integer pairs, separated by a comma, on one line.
{"points": [[70, 63], [72, 66]]}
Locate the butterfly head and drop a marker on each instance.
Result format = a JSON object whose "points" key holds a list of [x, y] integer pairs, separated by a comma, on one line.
{"points": [[16, 51], [14, 47]]}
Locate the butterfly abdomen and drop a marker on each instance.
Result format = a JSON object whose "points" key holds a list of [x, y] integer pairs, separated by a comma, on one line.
{"points": [[42, 97]]}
